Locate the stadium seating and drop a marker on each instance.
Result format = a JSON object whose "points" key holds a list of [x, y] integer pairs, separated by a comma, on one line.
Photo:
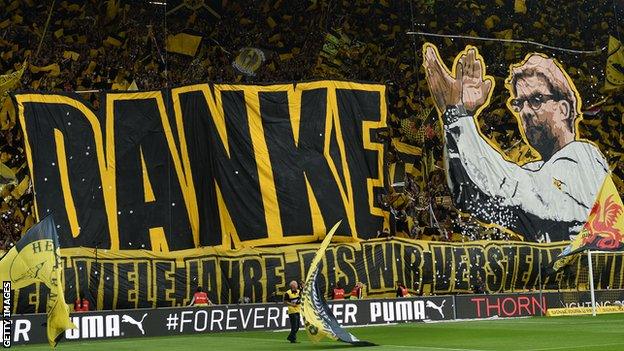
{"points": [[94, 46]]}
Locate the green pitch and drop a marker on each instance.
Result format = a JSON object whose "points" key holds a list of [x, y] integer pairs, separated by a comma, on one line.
{"points": [[601, 333]]}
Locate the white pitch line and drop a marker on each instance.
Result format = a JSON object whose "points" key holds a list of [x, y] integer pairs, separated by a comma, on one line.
{"points": [[413, 347], [346, 326], [576, 347]]}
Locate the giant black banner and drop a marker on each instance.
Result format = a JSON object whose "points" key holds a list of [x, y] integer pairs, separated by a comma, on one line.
{"points": [[208, 164]]}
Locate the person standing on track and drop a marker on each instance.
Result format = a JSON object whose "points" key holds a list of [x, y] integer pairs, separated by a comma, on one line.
{"points": [[200, 298], [292, 299]]}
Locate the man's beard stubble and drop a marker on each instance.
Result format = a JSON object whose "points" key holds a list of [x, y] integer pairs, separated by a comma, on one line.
{"points": [[541, 139]]}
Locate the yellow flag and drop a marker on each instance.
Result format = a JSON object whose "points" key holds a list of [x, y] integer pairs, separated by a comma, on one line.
{"points": [[318, 319], [313, 321], [520, 6], [71, 55], [9, 81], [491, 21], [120, 86], [21, 188], [53, 70], [604, 230], [287, 56], [271, 22], [409, 154], [183, 43], [7, 176], [112, 7], [36, 259], [112, 41], [133, 86], [614, 73], [7, 114], [91, 67], [504, 34], [406, 148]]}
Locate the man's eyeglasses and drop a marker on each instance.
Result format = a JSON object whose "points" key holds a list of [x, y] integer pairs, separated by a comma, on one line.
{"points": [[535, 101]]}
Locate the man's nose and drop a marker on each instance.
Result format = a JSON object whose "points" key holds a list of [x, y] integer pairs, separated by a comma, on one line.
{"points": [[528, 115], [526, 107]]}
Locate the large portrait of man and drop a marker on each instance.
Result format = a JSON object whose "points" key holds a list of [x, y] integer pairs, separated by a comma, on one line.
{"points": [[545, 200]]}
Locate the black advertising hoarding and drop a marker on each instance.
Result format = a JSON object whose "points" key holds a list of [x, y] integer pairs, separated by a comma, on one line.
{"points": [[503, 305], [176, 321], [30, 328], [529, 303], [433, 308]]}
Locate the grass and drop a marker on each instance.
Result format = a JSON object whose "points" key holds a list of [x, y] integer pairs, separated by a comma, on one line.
{"points": [[601, 333]]}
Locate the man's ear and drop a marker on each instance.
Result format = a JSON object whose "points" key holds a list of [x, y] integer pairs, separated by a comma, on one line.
{"points": [[564, 108]]}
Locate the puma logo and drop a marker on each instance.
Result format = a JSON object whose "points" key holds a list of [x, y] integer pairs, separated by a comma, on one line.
{"points": [[128, 319], [430, 304]]}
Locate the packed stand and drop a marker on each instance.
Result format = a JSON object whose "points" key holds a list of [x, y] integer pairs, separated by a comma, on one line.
{"points": [[93, 45]]}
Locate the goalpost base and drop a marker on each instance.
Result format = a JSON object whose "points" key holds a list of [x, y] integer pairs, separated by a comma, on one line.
{"points": [[594, 309]]}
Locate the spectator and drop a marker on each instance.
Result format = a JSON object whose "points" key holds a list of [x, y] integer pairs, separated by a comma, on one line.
{"points": [[356, 292], [78, 305], [338, 292], [200, 298], [401, 290], [478, 287]]}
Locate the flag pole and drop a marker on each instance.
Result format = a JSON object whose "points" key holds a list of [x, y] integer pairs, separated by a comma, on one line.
{"points": [[45, 29], [591, 282]]}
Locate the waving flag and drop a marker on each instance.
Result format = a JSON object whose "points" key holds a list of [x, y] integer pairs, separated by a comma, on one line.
{"points": [[604, 230], [318, 318], [36, 258], [183, 43]]}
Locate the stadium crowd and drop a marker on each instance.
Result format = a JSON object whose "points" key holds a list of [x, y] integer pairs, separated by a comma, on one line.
{"points": [[94, 45]]}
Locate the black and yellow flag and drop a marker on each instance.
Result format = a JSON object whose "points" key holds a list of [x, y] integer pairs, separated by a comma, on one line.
{"points": [[317, 316], [9, 81], [36, 258], [53, 70], [604, 230], [112, 8], [7, 176], [249, 60], [614, 72]]}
